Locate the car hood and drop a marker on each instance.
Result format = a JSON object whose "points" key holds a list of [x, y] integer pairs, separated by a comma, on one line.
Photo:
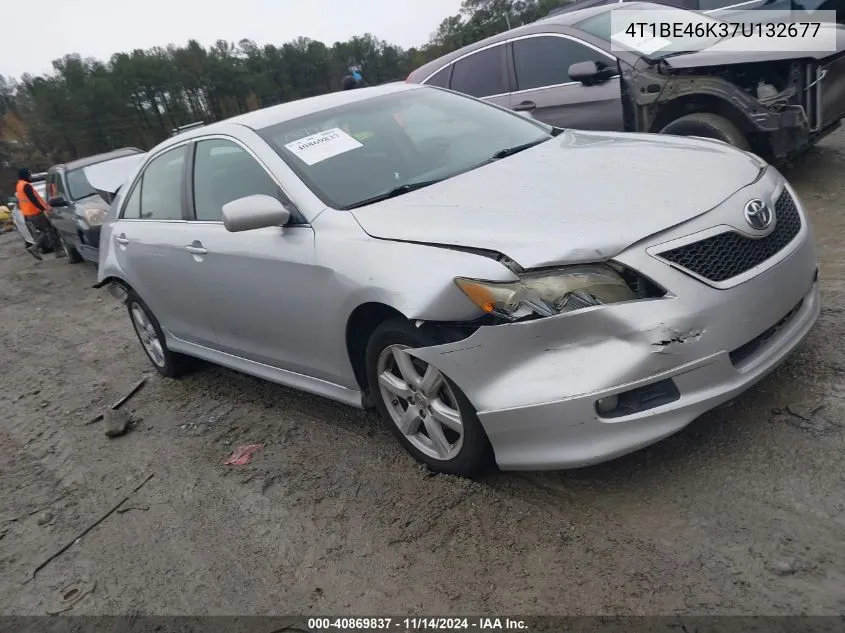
{"points": [[107, 177], [581, 196], [738, 50]]}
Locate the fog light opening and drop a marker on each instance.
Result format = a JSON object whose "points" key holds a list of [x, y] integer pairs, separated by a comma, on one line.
{"points": [[607, 404], [638, 399]]}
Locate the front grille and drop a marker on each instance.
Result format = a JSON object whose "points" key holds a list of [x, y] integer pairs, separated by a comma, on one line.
{"points": [[743, 352], [729, 254]]}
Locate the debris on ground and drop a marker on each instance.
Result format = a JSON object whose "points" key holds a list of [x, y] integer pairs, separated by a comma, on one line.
{"points": [[784, 568], [810, 419], [242, 455], [45, 518], [105, 516], [120, 402], [116, 422], [71, 594], [207, 422]]}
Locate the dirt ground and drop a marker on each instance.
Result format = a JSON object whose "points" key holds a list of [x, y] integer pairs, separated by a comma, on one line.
{"points": [[742, 513]]}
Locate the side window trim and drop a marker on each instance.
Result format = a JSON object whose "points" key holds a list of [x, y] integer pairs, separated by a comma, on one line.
{"points": [[564, 36], [452, 63], [298, 219], [449, 67], [142, 172]]}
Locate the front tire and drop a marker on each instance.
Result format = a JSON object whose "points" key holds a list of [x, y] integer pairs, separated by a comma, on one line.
{"points": [[428, 413], [708, 125], [71, 254], [168, 364]]}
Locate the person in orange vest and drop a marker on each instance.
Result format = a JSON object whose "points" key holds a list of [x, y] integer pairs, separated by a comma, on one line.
{"points": [[33, 208]]}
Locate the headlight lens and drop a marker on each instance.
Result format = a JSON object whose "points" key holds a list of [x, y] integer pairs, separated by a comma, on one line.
{"points": [[548, 293], [94, 217]]}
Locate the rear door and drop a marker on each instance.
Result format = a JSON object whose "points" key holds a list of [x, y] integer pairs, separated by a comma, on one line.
{"points": [[483, 74], [150, 247], [544, 87]]}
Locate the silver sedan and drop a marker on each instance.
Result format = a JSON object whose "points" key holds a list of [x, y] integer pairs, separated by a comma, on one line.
{"points": [[496, 288]]}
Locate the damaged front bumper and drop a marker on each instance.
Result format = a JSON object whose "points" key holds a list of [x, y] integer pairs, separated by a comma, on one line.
{"points": [[581, 388]]}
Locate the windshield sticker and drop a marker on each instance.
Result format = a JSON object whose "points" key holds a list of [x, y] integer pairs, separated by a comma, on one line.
{"points": [[644, 45], [322, 146]]}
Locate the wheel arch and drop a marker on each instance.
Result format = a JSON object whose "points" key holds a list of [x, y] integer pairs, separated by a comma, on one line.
{"points": [[697, 103], [360, 325]]}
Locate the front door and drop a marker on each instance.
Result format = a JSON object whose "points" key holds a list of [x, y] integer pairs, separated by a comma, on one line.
{"points": [[150, 246], [545, 89], [257, 286], [62, 218]]}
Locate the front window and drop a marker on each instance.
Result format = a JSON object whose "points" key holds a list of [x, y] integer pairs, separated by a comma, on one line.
{"points": [[77, 182], [627, 29], [354, 154]]}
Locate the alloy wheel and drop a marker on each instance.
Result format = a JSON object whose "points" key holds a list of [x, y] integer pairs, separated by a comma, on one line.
{"points": [[420, 402], [148, 335]]}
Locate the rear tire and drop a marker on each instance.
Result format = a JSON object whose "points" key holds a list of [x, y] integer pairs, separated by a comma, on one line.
{"points": [[708, 125], [440, 427], [147, 329]]}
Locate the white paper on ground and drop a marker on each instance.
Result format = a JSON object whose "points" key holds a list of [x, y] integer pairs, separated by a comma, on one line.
{"points": [[322, 146]]}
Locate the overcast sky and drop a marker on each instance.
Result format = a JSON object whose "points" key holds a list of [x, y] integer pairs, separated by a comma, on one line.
{"points": [[100, 28]]}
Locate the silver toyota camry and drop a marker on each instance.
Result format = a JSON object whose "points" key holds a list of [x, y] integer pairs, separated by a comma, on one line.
{"points": [[496, 288]]}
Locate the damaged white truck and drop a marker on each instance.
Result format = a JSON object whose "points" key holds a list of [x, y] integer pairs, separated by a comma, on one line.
{"points": [[573, 71]]}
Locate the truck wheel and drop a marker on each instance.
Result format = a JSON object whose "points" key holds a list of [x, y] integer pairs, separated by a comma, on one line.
{"points": [[708, 125]]}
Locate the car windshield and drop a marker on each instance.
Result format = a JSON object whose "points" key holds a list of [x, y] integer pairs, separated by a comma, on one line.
{"points": [[77, 181], [628, 29], [360, 153]]}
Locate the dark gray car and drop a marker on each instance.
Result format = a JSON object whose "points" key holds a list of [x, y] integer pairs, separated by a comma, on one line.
{"points": [[564, 72], [77, 209]]}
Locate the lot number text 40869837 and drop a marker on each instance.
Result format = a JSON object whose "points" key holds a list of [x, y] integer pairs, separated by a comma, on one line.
{"points": [[412, 625]]}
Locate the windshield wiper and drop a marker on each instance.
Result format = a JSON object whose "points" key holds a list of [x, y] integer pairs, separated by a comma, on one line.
{"points": [[510, 151], [396, 191]]}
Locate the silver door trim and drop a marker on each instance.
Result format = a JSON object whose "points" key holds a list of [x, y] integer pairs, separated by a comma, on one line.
{"points": [[141, 173], [566, 37], [731, 6], [525, 37]]}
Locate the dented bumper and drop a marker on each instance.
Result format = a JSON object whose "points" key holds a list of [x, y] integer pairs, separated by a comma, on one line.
{"points": [[536, 384]]}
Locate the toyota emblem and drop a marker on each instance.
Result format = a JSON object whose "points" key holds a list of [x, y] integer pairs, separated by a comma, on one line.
{"points": [[758, 215]]}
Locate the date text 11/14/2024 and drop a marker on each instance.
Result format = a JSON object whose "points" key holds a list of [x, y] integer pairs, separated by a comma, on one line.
{"points": [[412, 625]]}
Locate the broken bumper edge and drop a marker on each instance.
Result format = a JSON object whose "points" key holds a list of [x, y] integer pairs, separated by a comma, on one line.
{"points": [[543, 437]]}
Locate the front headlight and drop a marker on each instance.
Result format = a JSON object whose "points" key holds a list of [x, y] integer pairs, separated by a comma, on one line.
{"points": [[94, 217], [548, 293]]}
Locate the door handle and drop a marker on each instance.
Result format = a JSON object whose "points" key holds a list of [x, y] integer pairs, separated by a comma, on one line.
{"points": [[196, 250], [525, 106], [121, 239]]}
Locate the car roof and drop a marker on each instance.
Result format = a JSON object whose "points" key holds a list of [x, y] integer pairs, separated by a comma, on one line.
{"points": [[557, 22], [97, 158]]}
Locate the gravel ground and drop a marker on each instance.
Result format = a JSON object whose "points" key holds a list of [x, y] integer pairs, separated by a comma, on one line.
{"points": [[742, 513]]}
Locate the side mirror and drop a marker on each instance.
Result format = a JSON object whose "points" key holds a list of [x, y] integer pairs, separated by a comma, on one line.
{"points": [[254, 212], [57, 201], [589, 73]]}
